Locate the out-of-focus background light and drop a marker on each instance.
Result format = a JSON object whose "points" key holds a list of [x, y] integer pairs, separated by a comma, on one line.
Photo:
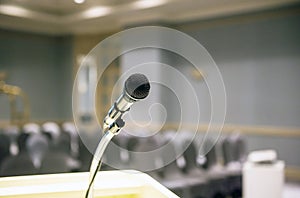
{"points": [[79, 1]]}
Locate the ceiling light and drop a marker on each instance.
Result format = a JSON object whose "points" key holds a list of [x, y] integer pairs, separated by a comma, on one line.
{"points": [[96, 12], [14, 11], [79, 1], [142, 4]]}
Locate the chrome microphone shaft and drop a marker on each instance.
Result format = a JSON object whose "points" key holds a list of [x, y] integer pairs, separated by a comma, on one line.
{"points": [[113, 130]]}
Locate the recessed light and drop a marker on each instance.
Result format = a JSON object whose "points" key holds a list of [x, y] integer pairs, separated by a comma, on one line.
{"points": [[142, 4], [79, 1], [14, 11], [95, 12]]}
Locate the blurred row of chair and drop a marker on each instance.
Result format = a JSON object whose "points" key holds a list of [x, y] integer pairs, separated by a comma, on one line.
{"points": [[51, 148], [43, 149], [216, 174]]}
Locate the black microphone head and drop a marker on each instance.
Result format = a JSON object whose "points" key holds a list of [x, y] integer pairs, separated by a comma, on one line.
{"points": [[137, 86]]}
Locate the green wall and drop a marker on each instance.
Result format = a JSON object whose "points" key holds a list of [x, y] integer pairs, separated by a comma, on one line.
{"points": [[42, 66]]}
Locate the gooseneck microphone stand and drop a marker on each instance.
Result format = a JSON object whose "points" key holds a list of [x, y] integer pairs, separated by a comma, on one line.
{"points": [[97, 160]]}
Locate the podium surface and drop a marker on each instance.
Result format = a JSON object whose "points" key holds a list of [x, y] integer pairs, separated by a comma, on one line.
{"points": [[108, 184]]}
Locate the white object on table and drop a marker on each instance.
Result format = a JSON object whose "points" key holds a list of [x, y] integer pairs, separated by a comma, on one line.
{"points": [[263, 175]]}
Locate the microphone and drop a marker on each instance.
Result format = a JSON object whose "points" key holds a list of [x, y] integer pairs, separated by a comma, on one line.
{"points": [[136, 87]]}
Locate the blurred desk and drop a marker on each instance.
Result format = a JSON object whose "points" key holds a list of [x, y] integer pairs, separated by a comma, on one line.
{"points": [[108, 184]]}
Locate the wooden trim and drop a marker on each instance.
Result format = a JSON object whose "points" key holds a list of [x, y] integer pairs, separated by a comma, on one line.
{"points": [[229, 128], [263, 130], [292, 173], [4, 123], [287, 132]]}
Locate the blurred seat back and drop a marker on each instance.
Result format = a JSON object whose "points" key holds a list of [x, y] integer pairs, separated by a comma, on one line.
{"points": [[52, 130], [37, 147], [234, 150], [146, 154], [20, 164], [31, 128], [190, 155], [228, 150], [69, 127], [57, 162], [21, 141], [241, 148], [171, 169], [211, 155], [12, 132], [64, 143], [85, 156], [4, 147]]}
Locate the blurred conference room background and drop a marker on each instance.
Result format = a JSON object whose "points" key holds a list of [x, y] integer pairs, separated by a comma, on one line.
{"points": [[255, 44]]}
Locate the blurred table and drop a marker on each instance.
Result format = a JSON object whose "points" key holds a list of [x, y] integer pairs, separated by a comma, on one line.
{"points": [[108, 184]]}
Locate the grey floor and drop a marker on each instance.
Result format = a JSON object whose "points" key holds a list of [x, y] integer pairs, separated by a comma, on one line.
{"points": [[291, 190]]}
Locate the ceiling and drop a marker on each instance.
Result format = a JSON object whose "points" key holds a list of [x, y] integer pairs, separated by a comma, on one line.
{"points": [[67, 17]]}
